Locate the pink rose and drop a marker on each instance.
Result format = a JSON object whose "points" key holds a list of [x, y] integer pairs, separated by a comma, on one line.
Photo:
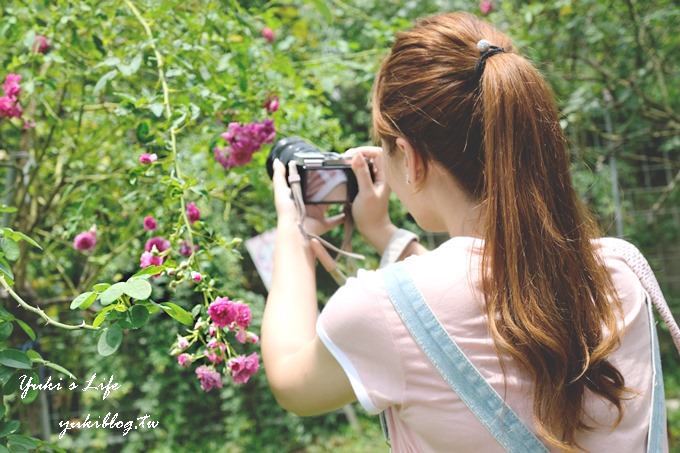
{"points": [[268, 34], [159, 242], [193, 214], [10, 108], [11, 85], [85, 241], [185, 248], [243, 367], [146, 158], [184, 360], [243, 336], [272, 104], [485, 7], [213, 357], [41, 44], [182, 343], [209, 378], [243, 315], [222, 312], [149, 259], [150, 223], [196, 276], [212, 330]]}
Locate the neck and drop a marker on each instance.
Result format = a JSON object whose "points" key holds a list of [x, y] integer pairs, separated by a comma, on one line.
{"points": [[455, 212]]}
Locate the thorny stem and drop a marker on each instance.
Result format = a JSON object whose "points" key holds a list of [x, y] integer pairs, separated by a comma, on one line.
{"points": [[41, 313], [168, 113]]}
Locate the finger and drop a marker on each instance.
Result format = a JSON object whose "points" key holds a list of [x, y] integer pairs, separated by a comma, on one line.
{"points": [[360, 168], [379, 168], [292, 170], [366, 150], [279, 178]]}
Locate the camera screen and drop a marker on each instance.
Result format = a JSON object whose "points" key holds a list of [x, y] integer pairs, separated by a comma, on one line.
{"points": [[326, 186]]}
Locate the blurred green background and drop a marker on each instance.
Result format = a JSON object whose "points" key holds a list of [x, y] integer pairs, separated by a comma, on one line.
{"points": [[95, 97]]}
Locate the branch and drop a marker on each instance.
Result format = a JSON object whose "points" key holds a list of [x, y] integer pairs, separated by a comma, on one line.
{"points": [[665, 193], [41, 313], [168, 113]]}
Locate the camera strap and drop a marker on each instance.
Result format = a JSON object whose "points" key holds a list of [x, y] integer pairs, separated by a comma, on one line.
{"points": [[346, 247]]}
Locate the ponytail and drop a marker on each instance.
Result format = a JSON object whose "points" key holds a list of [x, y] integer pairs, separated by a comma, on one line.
{"points": [[551, 304], [547, 294]]}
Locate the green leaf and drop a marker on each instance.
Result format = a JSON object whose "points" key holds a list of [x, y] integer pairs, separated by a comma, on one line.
{"points": [[11, 248], [101, 287], [7, 209], [34, 355], [157, 109], [19, 236], [9, 427], [59, 368], [18, 442], [5, 315], [101, 84], [5, 374], [14, 358], [33, 392], [5, 269], [13, 382], [139, 315], [6, 329], [322, 6], [137, 288], [143, 132], [110, 340], [84, 300], [150, 305], [129, 69], [149, 271], [112, 293], [27, 239], [178, 313], [26, 328], [101, 316]]}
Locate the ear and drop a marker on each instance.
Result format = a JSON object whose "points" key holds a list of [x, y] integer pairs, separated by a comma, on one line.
{"points": [[413, 163]]}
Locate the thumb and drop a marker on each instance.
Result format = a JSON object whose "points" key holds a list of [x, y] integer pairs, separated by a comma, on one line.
{"points": [[360, 168]]}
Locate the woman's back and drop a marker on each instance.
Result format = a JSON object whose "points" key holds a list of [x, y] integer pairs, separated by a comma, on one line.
{"points": [[388, 370]]}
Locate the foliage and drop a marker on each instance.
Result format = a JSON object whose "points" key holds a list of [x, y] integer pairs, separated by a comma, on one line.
{"points": [[122, 79]]}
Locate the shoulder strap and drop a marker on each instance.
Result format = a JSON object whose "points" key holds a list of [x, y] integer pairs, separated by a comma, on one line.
{"points": [[639, 265], [657, 422], [456, 369]]}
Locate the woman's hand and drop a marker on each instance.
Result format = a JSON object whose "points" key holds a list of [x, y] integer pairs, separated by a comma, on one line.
{"points": [[370, 207], [315, 221]]}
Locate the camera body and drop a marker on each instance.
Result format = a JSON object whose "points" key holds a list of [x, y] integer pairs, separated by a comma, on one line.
{"points": [[326, 177]]}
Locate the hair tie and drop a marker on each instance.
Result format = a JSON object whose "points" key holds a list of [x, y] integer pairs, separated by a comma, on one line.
{"points": [[485, 50]]}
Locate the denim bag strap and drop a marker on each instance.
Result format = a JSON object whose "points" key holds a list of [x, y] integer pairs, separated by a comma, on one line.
{"points": [[657, 423], [456, 369]]}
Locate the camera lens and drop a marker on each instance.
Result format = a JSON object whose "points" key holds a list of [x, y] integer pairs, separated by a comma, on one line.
{"points": [[285, 150]]}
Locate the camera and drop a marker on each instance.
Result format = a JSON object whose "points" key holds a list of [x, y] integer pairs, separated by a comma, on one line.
{"points": [[325, 176]]}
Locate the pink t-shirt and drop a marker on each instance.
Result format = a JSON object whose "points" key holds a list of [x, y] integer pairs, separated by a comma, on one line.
{"points": [[388, 371]]}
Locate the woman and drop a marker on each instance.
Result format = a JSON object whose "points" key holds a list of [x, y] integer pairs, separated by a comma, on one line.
{"points": [[551, 315]]}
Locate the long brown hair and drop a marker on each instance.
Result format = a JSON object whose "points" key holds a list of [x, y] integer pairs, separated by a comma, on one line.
{"points": [[550, 301]]}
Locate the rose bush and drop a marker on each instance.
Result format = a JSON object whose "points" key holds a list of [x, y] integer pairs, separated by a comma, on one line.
{"points": [[133, 137]]}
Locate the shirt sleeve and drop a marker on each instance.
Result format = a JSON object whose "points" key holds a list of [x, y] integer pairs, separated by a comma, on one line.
{"points": [[354, 327]]}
